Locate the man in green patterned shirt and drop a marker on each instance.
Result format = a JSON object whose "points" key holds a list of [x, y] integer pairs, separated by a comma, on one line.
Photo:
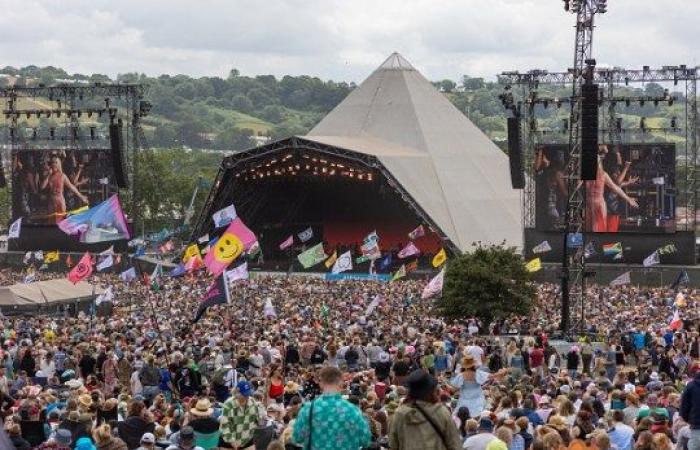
{"points": [[330, 422], [240, 417]]}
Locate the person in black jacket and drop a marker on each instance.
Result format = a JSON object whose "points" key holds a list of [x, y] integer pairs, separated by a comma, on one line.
{"points": [[77, 428], [135, 425], [690, 411]]}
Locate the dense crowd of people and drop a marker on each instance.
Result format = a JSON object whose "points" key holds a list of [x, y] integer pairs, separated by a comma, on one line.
{"points": [[300, 362]]}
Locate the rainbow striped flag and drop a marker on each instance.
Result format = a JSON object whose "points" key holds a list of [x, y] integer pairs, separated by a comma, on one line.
{"points": [[612, 249]]}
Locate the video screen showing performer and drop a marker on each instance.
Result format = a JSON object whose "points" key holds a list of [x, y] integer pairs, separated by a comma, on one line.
{"points": [[46, 184], [634, 191]]}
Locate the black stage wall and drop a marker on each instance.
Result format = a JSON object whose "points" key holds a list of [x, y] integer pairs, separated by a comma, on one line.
{"points": [[635, 246], [50, 237]]}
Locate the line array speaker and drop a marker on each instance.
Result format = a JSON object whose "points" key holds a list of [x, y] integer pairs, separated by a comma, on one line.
{"points": [[117, 144], [589, 131], [515, 154]]}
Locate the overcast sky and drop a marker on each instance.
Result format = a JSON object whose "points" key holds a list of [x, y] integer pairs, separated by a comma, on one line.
{"points": [[336, 39]]}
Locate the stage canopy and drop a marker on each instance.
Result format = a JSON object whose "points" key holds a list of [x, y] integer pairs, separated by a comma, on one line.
{"points": [[398, 129], [46, 293]]}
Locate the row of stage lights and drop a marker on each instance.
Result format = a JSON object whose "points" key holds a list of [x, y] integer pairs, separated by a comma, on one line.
{"points": [[33, 134], [314, 166], [618, 126]]}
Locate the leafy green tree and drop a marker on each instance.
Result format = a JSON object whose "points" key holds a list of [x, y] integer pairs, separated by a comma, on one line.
{"points": [[490, 282]]}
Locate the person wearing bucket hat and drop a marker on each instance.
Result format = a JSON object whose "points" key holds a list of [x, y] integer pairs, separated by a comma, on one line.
{"points": [[84, 443], [469, 382], [240, 416], [201, 418], [422, 421]]}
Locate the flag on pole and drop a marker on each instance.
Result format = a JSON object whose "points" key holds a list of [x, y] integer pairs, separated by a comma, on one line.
{"points": [[204, 239], [287, 243], [676, 322], [413, 265], [224, 216], [409, 250], [237, 273], [440, 258], [681, 280], [191, 251], [217, 294], [399, 273], [418, 232], [236, 239], [542, 247], [39, 255], [343, 263], [105, 263], [612, 249], [651, 260], [373, 305], [167, 247], [385, 263], [621, 280], [434, 286], [50, 257], [312, 256], [128, 275], [27, 257], [331, 261], [106, 296], [194, 263], [534, 265], [589, 250], [269, 309], [371, 250], [371, 239], [15, 229], [109, 251], [82, 270], [361, 259], [101, 223], [306, 235], [177, 271]]}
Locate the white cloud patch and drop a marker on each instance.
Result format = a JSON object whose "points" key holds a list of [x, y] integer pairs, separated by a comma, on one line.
{"points": [[337, 39]]}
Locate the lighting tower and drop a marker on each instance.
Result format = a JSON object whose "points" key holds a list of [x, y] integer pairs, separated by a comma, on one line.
{"points": [[574, 265]]}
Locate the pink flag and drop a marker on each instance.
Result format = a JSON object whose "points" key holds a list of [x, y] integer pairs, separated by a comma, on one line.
{"points": [[82, 270], [236, 239], [434, 286], [409, 250], [418, 232], [287, 243]]}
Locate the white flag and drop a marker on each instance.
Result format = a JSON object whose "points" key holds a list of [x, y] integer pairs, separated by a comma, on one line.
{"points": [[373, 305], [109, 251], [238, 273], [542, 247], [306, 235], [106, 296], [434, 286], [103, 181], [15, 228], [658, 181], [651, 260], [27, 257], [105, 263], [204, 239], [343, 263], [39, 255], [224, 216], [269, 309], [621, 280]]}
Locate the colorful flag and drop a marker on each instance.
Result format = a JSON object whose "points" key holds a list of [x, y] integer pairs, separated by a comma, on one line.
{"points": [[312, 256], [224, 216], [128, 275], [105, 263], [418, 232], [385, 263], [681, 280], [534, 265], [409, 250], [15, 229], [574, 240], [237, 273], [676, 322], [217, 294], [542, 247], [361, 259], [137, 242], [667, 249], [236, 239], [287, 243], [651, 260], [177, 271], [82, 270], [27, 257], [194, 263], [343, 263], [621, 280], [306, 235], [372, 238], [39, 255], [399, 273], [203, 239], [191, 251], [434, 286], [104, 222], [269, 309], [589, 250], [440, 258], [50, 257], [167, 247], [413, 265], [612, 249], [330, 261], [106, 296], [371, 250]]}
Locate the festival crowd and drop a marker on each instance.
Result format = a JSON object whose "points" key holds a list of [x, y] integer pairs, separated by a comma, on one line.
{"points": [[303, 363]]}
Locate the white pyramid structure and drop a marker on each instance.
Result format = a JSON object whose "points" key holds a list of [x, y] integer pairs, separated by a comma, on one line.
{"points": [[449, 167]]}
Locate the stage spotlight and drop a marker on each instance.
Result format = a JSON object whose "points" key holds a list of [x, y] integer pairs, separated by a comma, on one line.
{"points": [[643, 124], [618, 124], [674, 122]]}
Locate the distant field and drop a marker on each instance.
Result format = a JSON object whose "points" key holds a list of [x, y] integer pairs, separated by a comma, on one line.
{"points": [[244, 120]]}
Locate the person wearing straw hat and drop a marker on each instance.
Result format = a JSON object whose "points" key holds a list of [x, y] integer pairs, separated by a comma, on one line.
{"points": [[469, 382], [201, 417]]}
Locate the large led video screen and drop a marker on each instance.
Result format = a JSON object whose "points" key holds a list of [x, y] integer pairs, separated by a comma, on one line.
{"points": [[634, 192], [48, 183]]}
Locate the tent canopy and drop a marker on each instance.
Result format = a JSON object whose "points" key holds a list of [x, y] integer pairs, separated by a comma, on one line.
{"points": [[47, 292]]}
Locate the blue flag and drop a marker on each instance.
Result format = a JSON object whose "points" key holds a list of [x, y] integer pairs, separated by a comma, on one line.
{"points": [[681, 280], [385, 263], [178, 271]]}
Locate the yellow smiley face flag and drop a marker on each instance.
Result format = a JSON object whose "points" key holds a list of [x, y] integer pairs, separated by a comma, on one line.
{"points": [[236, 239], [190, 252]]}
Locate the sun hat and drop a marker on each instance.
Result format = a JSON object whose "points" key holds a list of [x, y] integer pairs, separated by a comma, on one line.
{"points": [[468, 362], [202, 408], [85, 400]]}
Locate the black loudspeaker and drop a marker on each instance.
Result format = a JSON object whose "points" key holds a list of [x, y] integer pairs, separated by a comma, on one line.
{"points": [[515, 154], [589, 131], [117, 144]]}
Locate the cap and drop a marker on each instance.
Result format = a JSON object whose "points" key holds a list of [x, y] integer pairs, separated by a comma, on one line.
{"points": [[486, 424], [148, 438]]}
